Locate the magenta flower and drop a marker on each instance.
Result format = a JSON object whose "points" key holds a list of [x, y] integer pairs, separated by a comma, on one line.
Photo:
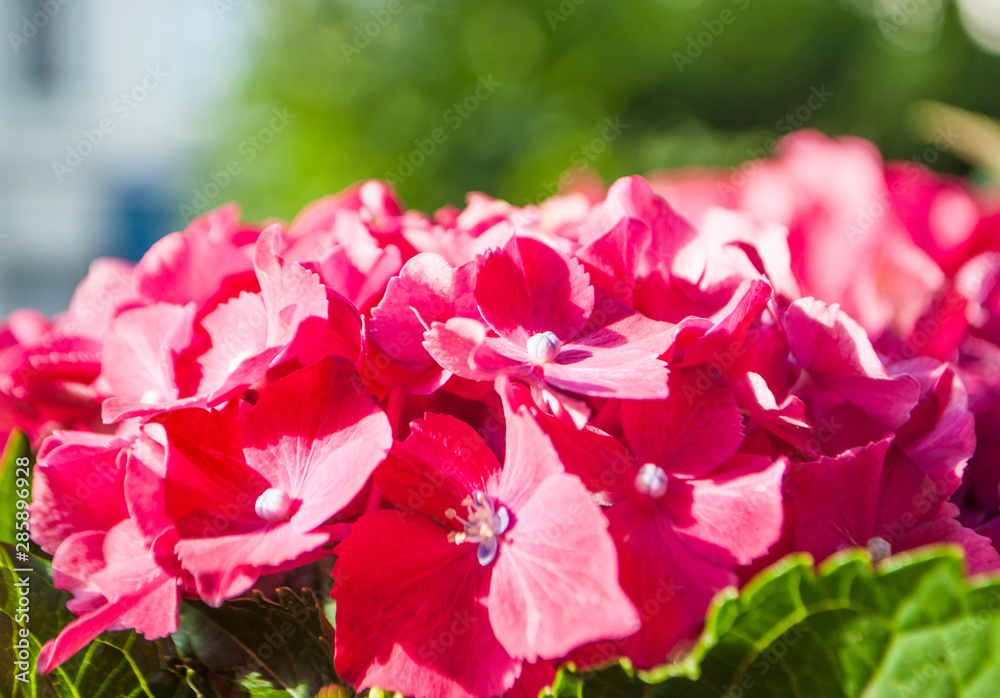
{"points": [[241, 499], [875, 497], [162, 357], [685, 507], [487, 568], [550, 326], [428, 289], [835, 351], [79, 513], [116, 583]]}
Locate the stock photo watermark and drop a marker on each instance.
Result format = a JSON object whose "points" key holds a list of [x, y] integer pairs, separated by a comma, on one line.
{"points": [[582, 157], [22, 579], [365, 33], [562, 12], [698, 43], [32, 24], [249, 148], [121, 109], [454, 117], [793, 120]]}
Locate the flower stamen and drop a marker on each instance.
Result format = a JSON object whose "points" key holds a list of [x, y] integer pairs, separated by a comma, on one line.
{"points": [[651, 480], [543, 347], [273, 504], [484, 524]]}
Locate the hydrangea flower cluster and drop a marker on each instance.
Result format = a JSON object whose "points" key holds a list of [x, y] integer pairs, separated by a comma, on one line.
{"points": [[525, 435]]}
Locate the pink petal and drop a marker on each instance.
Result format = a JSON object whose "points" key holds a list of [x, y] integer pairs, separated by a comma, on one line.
{"points": [[836, 351], [555, 581], [342, 336], [690, 433], [184, 267], [452, 343], [225, 566], [359, 269], [294, 299], [530, 457], [527, 288], [434, 635], [534, 677], [611, 258], [980, 555], [106, 289], [130, 568], [78, 486], [317, 435], [620, 373], [786, 420], [670, 585], [206, 477], [239, 354], [440, 463], [721, 345], [425, 282], [74, 565], [147, 599], [836, 500], [139, 352], [940, 434], [735, 516], [83, 630], [614, 324]]}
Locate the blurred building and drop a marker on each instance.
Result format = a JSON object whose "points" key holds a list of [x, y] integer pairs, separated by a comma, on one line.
{"points": [[103, 103]]}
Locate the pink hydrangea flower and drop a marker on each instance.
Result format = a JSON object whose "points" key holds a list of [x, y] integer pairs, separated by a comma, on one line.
{"points": [[239, 499], [487, 567], [79, 513], [685, 506], [548, 323]]}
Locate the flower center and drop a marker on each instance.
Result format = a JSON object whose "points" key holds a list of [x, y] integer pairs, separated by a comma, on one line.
{"points": [[273, 505], [879, 548], [651, 480], [484, 523], [543, 347]]}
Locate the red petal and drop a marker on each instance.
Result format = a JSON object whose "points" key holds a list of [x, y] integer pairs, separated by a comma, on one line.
{"points": [[690, 433], [670, 584], [836, 350], [735, 516], [555, 581], [439, 464], [527, 287], [317, 435], [432, 636]]}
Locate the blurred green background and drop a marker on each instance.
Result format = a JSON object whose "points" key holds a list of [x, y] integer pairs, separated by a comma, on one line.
{"points": [[511, 96]]}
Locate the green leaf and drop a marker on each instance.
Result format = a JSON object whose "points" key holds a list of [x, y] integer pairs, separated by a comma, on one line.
{"points": [[259, 687], [914, 626], [115, 665], [260, 645], [17, 447]]}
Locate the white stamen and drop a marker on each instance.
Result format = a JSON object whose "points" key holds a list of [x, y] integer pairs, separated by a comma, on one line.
{"points": [[543, 347], [879, 548], [651, 480], [484, 525], [273, 505]]}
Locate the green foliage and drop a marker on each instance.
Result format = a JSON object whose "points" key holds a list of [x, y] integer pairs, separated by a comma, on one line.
{"points": [[388, 89], [17, 447], [266, 648], [116, 665], [913, 627]]}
